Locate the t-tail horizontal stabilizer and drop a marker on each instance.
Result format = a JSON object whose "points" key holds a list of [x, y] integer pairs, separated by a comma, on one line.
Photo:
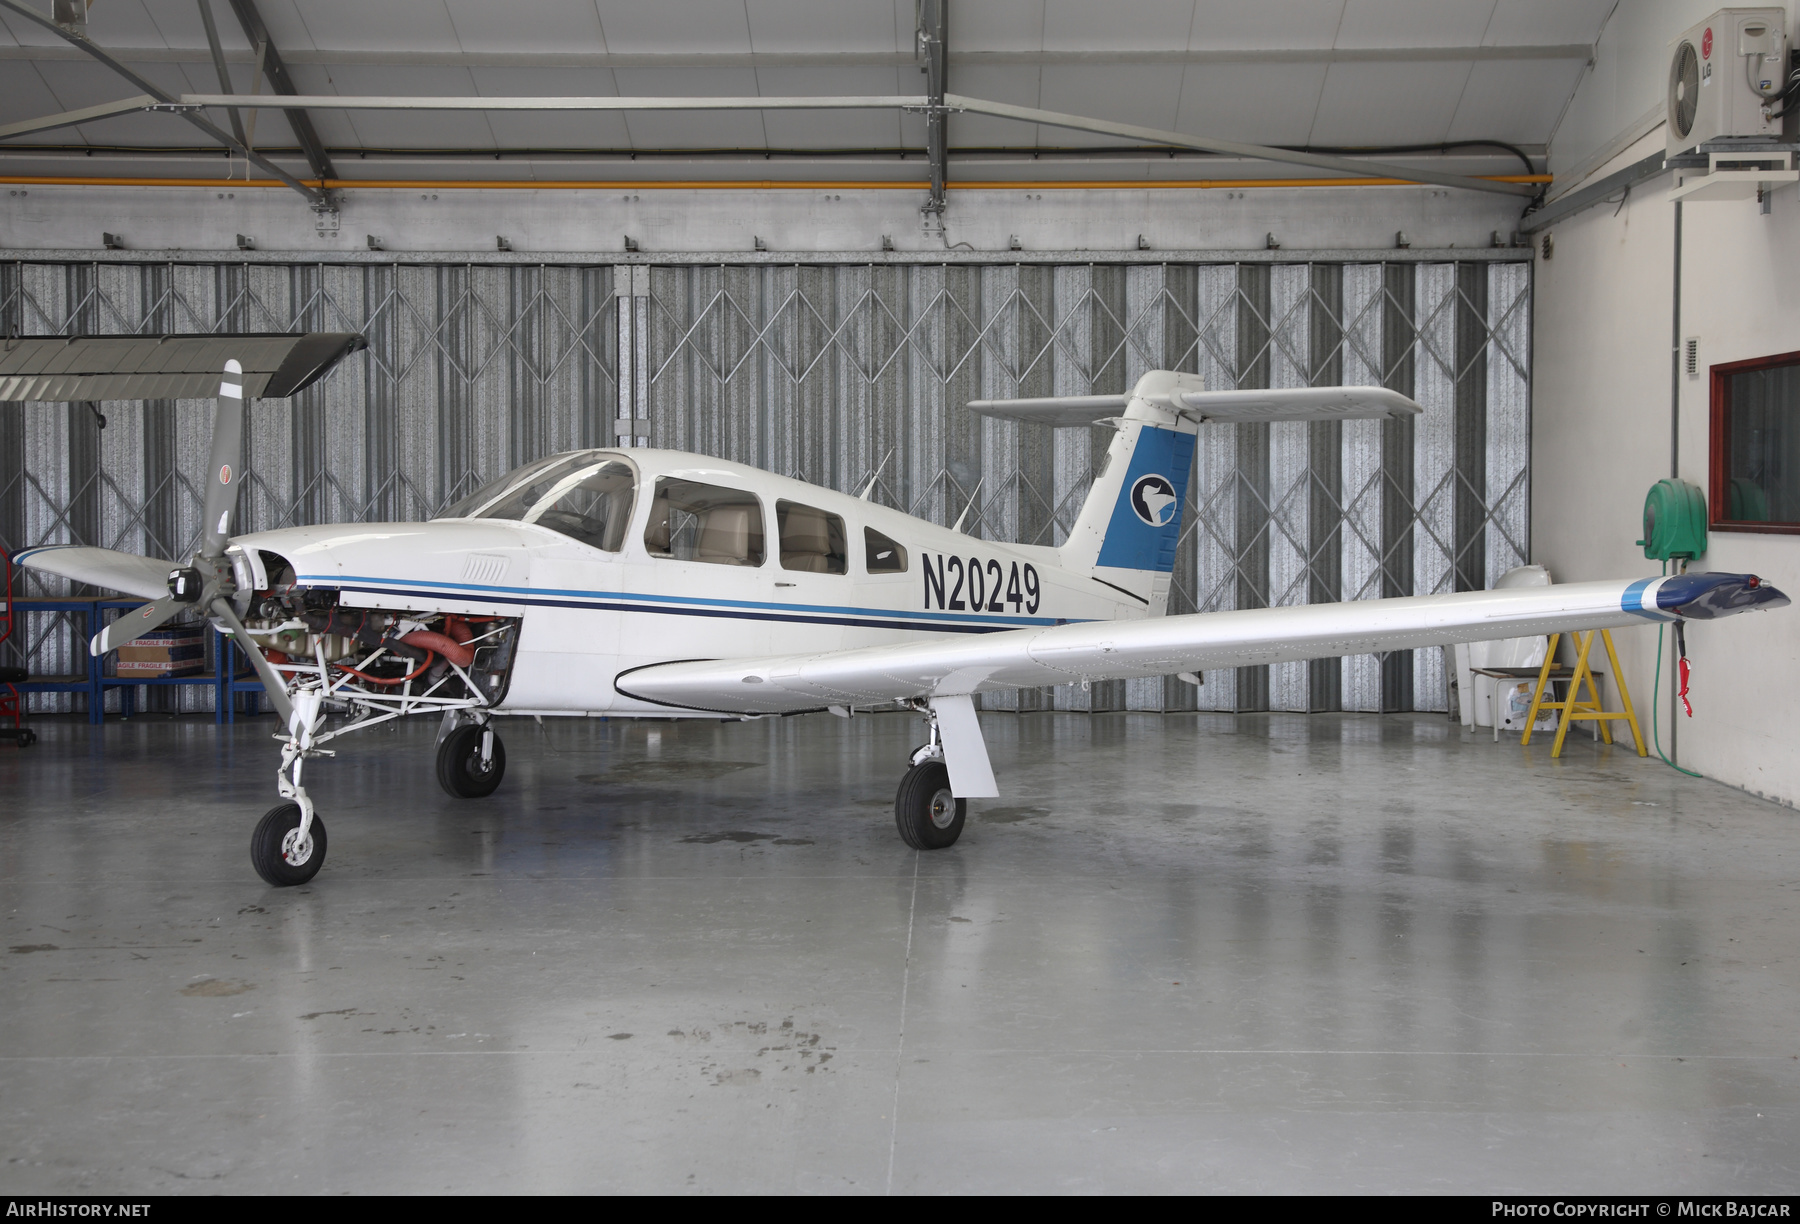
{"points": [[1211, 407]]}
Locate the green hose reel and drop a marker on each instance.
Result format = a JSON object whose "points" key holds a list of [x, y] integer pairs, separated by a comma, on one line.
{"points": [[1674, 521]]}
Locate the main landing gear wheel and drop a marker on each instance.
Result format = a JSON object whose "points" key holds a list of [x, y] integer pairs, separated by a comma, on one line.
{"points": [[928, 816], [278, 854], [461, 770]]}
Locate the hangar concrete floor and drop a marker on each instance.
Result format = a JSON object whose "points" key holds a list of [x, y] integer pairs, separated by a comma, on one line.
{"points": [[1185, 953]]}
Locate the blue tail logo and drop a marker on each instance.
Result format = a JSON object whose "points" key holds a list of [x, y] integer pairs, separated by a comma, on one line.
{"points": [[1153, 497], [1146, 522]]}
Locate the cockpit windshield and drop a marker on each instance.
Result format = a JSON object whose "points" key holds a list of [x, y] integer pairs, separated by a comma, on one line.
{"points": [[586, 496]]}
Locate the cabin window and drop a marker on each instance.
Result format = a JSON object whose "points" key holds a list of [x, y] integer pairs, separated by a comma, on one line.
{"points": [[1756, 445], [690, 521], [883, 555], [595, 509], [812, 540]]}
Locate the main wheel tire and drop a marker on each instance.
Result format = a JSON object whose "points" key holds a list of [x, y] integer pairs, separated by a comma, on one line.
{"points": [[928, 816], [273, 852], [459, 767]]}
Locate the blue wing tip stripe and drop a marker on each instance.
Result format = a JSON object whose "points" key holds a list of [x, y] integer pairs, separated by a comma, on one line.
{"points": [[1633, 600]]}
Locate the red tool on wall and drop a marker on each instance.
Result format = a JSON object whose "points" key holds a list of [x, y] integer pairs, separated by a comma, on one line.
{"points": [[10, 677]]}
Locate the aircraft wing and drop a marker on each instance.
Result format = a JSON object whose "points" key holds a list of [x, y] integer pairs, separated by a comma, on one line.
{"points": [[166, 367], [1111, 650], [145, 577]]}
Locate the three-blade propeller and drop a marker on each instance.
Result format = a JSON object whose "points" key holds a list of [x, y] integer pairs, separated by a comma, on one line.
{"points": [[206, 583]]}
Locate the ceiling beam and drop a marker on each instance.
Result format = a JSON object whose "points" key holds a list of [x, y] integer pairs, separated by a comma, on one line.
{"points": [[953, 102], [933, 38], [223, 137], [1180, 140], [218, 59], [844, 59], [105, 110], [603, 103], [275, 69]]}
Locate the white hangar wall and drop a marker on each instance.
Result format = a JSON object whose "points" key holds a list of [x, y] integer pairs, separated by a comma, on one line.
{"points": [[1602, 412]]}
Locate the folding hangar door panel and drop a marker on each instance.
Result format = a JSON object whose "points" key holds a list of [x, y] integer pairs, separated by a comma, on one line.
{"points": [[832, 372]]}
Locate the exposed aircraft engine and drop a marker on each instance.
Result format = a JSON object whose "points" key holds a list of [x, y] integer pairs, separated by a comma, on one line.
{"points": [[442, 655]]}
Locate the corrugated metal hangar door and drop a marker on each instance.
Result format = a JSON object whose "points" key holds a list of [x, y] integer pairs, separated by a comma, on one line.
{"points": [[829, 371]]}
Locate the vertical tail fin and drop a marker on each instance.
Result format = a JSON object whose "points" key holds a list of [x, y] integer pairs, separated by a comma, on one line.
{"points": [[1131, 522]]}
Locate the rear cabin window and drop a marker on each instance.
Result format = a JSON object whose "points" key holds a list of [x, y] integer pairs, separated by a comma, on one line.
{"points": [[690, 521], [883, 555], [812, 540]]}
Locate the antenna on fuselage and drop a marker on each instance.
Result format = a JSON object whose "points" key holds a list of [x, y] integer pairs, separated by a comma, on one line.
{"points": [[970, 506], [879, 468]]}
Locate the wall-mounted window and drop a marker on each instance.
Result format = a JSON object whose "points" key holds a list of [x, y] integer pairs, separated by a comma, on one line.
{"points": [[1756, 445]]}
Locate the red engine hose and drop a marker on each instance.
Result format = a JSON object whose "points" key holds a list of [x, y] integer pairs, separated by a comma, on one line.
{"points": [[387, 683], [450, 648], [459, 630]]}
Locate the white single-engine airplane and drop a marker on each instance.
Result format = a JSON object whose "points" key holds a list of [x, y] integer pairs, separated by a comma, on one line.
{"points": [[651, 582]]}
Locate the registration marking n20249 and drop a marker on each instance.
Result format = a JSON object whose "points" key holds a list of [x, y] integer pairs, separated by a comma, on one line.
{"points": [[976, 584]]}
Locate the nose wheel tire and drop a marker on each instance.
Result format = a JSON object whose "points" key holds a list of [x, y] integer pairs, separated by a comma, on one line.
{"points": [[277, 852], [928, 816], [460, 769]]}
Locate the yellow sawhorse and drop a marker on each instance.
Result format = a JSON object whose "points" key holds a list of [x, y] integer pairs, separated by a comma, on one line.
{"points": [[1573, 707]]}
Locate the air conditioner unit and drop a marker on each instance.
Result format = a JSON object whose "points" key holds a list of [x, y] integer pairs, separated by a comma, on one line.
{"points": [[1720, 74]]}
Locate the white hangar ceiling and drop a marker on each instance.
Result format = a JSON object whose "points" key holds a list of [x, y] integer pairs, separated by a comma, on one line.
{"points": [[1288, 72]]}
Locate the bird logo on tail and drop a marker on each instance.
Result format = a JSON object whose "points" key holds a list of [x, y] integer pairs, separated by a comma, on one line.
{"points": [[1153, 499]]}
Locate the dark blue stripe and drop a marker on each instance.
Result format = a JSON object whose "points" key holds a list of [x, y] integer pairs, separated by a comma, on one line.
{"points": [[896, 618], [722, 613]]}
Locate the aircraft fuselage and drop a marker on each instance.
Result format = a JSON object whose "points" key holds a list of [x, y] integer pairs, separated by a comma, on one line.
{"points": [[589, 615]]}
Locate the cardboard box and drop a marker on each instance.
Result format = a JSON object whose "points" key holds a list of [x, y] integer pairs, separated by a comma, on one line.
{"points": [[164, 652]]}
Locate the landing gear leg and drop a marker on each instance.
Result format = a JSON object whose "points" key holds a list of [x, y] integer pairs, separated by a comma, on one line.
{"points": [[928, 816], [288, 846]]}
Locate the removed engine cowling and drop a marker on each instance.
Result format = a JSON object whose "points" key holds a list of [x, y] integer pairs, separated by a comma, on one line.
{"points": [[444, 653]]}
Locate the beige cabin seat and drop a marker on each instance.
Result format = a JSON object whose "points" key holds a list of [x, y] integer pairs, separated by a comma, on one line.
{"points": [[724, 536], [806, 540]]}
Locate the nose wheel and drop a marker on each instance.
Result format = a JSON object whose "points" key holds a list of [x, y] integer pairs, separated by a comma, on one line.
{"points": [[928, 816], [471, 761], [281, 854]]}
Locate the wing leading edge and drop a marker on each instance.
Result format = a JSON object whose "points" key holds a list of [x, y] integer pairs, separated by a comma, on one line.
{"points": [[1113, 650]]}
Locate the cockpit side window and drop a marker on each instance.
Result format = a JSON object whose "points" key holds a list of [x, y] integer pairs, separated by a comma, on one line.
{"points": [[595, 509], [882, 555], [690, 521], [812, 540]]}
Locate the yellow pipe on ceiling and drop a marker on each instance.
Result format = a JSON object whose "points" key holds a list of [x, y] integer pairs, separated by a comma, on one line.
{"points": [[53, 180]]}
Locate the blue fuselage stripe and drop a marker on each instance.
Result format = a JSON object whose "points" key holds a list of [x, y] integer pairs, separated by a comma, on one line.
{"points": [[627, 601]]}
